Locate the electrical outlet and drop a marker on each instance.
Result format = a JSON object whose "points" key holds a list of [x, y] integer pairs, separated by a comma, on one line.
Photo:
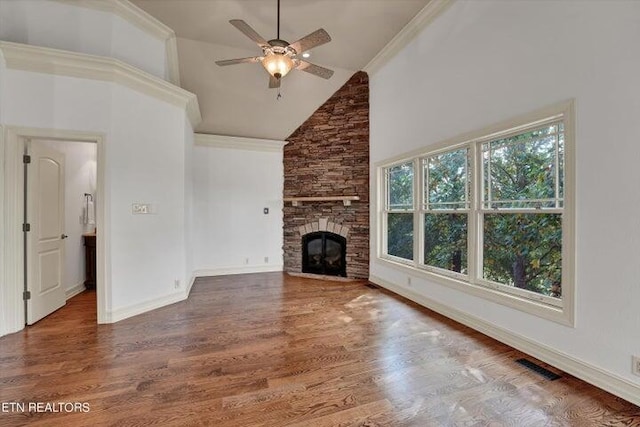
{"points": [[635, 368], [176, 284], [266, 260], [409, 280], [246, 260]]}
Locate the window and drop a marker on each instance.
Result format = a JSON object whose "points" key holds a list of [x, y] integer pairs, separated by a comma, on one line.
{"points": [[445, 210], [490, 214], [521, 212], [399, 209]]}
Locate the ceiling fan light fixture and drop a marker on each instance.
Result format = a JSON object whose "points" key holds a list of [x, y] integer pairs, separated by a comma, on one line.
{"points": [[277, 64], [279, 56]]}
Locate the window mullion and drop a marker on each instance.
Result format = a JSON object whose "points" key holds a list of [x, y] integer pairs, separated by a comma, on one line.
{"points": [[488, 203], [556, 166], [418, 233], [467, 180], [385, 211], [425, 183], [473, 249], [424, 209], [387, 192]]}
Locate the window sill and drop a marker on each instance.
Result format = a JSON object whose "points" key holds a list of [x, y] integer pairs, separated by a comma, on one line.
{"points": [[561, 315]]}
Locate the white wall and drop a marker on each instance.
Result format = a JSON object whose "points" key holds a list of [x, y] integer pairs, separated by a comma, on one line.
{"points": [[231, 188], [482, 62], [68, 27], [144, 158], [4, 315], [146, 165], [2, 67], [188, 201], [80, 178]]}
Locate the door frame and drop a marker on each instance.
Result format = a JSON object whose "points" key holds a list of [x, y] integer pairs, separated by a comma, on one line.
{"points": [[12, 146]]}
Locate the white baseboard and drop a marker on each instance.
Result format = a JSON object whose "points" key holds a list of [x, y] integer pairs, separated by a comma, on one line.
{"points": [[75, 290], [242, 269], [612, 383], [143, 307]]}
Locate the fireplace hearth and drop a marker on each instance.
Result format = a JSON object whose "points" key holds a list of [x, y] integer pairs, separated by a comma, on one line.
{"points": [[324, 252]]}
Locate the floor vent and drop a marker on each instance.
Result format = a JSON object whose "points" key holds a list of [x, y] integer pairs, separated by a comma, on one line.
{"points": [[538, 369]]}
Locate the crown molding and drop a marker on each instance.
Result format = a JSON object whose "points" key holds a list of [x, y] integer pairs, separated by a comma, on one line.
{"points": [[71, 64], [428, 14], [238, 143], [129, 12], [144, 21]]}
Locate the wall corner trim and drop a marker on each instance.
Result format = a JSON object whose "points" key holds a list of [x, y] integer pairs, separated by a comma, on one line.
{"points": [[428, 14], [144, 21], [71, 64], [239, 143], [610, 382]]}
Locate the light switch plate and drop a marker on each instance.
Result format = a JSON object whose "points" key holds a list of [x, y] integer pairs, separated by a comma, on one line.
{"points": [[140, 208]]}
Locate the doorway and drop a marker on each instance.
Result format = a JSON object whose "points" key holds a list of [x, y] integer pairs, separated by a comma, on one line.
{"points": [[15, 285]]}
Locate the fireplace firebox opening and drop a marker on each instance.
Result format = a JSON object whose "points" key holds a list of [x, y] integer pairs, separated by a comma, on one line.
{"points": [[324, 252]]}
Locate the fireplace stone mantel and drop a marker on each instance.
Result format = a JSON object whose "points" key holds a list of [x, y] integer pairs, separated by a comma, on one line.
{"points": [[297, 201]]}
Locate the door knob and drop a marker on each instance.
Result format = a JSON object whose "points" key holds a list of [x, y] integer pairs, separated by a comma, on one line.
{"points": [[64, 236]]}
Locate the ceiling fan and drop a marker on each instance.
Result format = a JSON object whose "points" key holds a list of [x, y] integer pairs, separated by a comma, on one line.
{"points": [[279, 56]]}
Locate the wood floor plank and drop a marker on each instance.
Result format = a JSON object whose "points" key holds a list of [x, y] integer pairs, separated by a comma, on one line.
{"points": [[276, 350]]}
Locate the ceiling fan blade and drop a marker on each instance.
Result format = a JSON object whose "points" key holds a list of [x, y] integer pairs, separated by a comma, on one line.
{"points": [[317, 38], [239, 61], [274, 83], [249, 32], [314, 69]]}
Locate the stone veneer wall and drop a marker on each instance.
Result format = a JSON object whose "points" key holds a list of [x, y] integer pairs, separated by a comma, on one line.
{"points": [[329, 156]]}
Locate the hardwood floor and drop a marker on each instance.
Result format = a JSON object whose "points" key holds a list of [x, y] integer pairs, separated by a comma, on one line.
{"points": [[275, 350]]}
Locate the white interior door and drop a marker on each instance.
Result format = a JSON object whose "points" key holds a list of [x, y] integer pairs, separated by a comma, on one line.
{"points": [[45, 241]]}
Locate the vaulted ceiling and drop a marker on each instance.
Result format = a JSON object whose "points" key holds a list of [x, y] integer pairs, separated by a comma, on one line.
{"points": [[236, 100]]}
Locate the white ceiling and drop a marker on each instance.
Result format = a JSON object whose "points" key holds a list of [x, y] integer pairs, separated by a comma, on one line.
{"points": [[235, 100]]}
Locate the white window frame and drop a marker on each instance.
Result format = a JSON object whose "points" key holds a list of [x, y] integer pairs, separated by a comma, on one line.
{"points": [[387, 209], [558, 310], [481, 211], [423, 210]]}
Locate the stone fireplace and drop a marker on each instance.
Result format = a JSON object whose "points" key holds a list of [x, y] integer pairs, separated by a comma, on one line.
{"points": [[328, 158]]}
